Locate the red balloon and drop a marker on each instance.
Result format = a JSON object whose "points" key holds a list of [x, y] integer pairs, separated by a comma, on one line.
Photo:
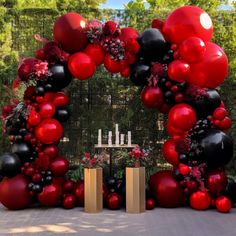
{"points": [[152, 97], [128, 33], [225, 124], [166, 189], [200, 200], [184, 169], [111, 65], [51, 151], [81, 66], [69, 201], [51, 194], [48, 131], [79, 192], [68, 32], [223, 204], [34, 118], [188, 21], [59, 166], [173, 131], [182, 116], [96, 52], [114, 201], [212, 70], [216, 181], [192, 50], [68, 186], [178, 70], [219, 113], [60, 99], [49, 96], [47, 110], [150, 204], [169, 152], [14, 193]]}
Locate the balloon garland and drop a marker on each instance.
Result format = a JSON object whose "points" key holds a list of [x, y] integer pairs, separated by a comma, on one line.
{"points": [[179, 70]]}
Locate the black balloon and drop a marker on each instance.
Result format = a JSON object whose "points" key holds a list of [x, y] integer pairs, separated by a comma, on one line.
{"points": [[207, 104], [217, 148], [152, 45], [23, 150], [60, 77], [139, 74], [10, 164], [230, 191], [62, 114]]}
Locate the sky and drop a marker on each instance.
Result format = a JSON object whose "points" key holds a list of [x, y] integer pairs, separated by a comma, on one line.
{"points": [[115, 4]]}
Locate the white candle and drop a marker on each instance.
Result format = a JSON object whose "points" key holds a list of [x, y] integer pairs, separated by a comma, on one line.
{"points": [[99, 137], [122, 139], [129, 138], [117, 128], [117, 138], [110, 138]]}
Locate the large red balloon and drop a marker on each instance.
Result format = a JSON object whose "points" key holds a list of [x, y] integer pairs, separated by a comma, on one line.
{"points": [[14, 193], [79, 192], [47, 110], [69, 32], [223, 204], [166, 189], [114, 201], [48, 131], [173, 132], [178, 70], [200, 200], [96, 52], [128, 33], [111, 65], [216, 181], [59, 166], [212, 70], [182, 117], [81, 66], [169, 152], [51, 151], [188, 21], [152, 97], [51, 194]]}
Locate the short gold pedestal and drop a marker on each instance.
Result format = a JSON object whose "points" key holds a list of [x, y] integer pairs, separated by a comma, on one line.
{"points": [[93, 201], [135, 190]]}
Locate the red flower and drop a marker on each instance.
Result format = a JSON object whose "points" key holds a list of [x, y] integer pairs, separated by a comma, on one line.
{"points": [[29, 93], [109, 28], [26, 68], [6, 111], [158, 24], [41, 69], [132, 46], [87, 155], [93, 161]]}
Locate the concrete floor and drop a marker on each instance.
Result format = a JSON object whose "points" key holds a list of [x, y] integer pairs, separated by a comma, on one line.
{"points": [[158, 222]]}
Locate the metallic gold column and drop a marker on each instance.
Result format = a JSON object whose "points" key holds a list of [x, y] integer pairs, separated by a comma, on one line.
{"points": [[135, 190], [93, 201]]}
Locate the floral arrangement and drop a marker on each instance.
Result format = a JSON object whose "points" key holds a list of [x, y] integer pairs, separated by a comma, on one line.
{"points": [[93, 161], [138, 156]]}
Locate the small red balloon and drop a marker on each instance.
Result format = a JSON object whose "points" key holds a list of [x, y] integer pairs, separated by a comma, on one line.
{"points": [[81, 66], [60, 99], [79, 192], [96, 52], [192, 50], [59, 166], [47, 110], [216, 181], [225, 124], [150, 204], [14, 193], [164, 186], [111, 65], [51, 194], [68, 186], [184, 169], [51, 151], [223, 204], [69, 201], [173, 132], [182, 117], [69, 32], [219, 113], [188, 21], [34, 118], [200, 200], [178, 70], [128, 33], [169, 152], [48, 131], [114, 201], [152, 97]]}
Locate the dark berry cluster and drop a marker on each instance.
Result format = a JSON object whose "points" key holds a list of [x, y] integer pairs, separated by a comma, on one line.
{"points": [[200, 129]]}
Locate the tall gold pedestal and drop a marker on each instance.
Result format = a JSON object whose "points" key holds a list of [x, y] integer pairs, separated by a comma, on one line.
{"points": [[93, 200], [135, 190]]}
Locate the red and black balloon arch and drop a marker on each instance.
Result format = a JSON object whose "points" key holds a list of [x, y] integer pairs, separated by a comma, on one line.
{"points": [[179, 69]]}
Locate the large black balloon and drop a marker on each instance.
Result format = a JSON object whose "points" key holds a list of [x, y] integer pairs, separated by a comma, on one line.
{"points": [[152, 45], [207, 104], [23, 150], [62, 114], [217, 148], [60, 77], [10, 164], [139, 74]]}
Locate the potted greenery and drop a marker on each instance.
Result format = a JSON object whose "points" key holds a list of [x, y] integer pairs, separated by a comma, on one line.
{"points": [[93, 201], [135, 181]]}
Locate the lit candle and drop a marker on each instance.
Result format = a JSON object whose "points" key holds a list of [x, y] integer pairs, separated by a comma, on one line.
{"points": [[99, 137], [129, 138], [122, 139], [110, 138]]}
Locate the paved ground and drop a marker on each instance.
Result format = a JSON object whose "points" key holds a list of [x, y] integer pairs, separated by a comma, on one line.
{"points": [[158, 222]]}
